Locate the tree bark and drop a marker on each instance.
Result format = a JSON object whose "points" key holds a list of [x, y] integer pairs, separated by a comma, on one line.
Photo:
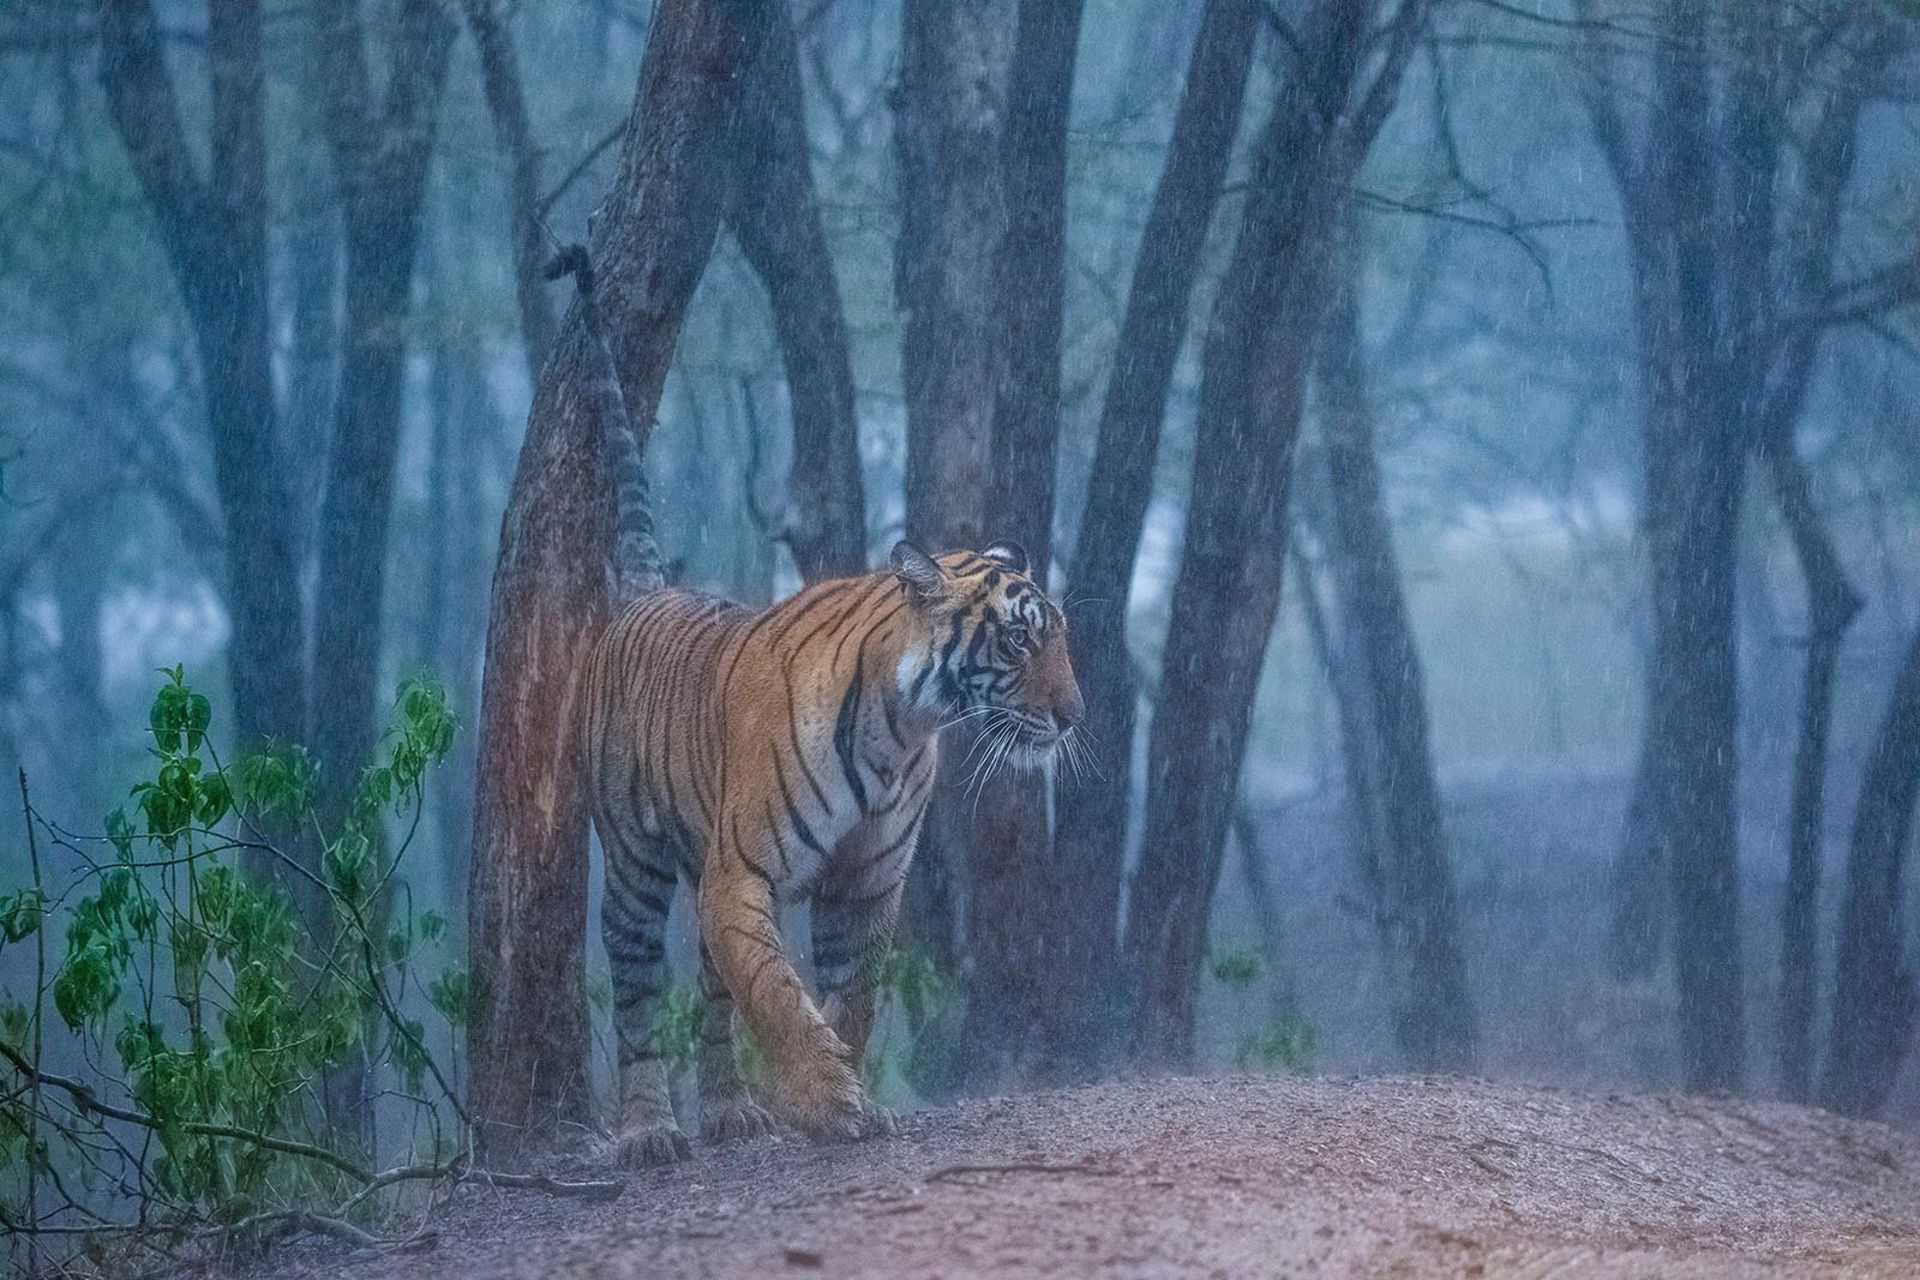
{"points": [[213, 230], [1435, 1023], [513, 135], [527, 898], [774, 214], [1258, 353], [1832, 605], [1873, 988], [381, 161], [1090, 838], [949, 112]]}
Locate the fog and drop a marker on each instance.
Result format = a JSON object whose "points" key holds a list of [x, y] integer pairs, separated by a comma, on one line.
{"points": [[1465, 521]]}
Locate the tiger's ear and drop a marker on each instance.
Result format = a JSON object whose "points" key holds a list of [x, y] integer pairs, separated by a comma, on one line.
{"points": [[1010, 554], [923, 576]]}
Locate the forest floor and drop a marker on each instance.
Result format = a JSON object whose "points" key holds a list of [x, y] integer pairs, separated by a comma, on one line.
{"points": [[1232, 1176]]}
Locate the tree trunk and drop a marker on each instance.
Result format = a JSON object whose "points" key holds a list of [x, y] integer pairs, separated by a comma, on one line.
{"points": [[1258, 353], [1832, 605], [527, 1036], [513, 135], [948, 116], [382, 165], [1873, 987], [213, 230], [1435, 1024], [775, 216], [1090, 836], [1017, 1030]]}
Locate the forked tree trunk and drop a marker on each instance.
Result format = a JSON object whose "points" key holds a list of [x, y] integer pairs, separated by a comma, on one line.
{"points": [[214, 231], [774, 215], [1258, 354], [527, 1036], [1873, 986], [1090, 836]]}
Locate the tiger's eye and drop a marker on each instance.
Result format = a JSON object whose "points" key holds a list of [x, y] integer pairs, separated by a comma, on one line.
{"points": [[1017, 637]]}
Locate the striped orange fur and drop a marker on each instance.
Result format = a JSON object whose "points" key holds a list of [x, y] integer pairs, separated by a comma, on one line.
{"points": [[786, 755]]}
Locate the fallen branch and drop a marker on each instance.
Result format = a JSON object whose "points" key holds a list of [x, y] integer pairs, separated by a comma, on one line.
{"points": [[1019, 1166]]}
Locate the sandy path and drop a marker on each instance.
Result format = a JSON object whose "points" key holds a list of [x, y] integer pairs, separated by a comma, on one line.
{"points": [[1234, 1177]]}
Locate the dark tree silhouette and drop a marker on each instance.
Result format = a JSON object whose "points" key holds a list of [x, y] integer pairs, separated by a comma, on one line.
{"points": [[1091, 816]]}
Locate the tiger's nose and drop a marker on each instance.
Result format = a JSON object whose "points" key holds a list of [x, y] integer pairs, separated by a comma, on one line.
{"points": [[1070, 710]]}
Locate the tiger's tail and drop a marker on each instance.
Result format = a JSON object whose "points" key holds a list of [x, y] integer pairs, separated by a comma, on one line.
{"points": [[634, 565]]}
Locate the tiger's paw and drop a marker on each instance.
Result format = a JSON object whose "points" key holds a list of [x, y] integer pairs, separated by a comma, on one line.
{"points": [[824, 1099], [642, 1146], [733, 1119]]}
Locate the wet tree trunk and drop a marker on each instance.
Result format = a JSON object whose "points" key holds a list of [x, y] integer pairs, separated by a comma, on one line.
{"points": [[1434, 1024], [1832, 605], [1091, 808], [213, 230], [1873, 988], [1258, 355], [527, 1036], [513, 135], [381, 161], [949, 112], [1018, 1029], [774, 215]]}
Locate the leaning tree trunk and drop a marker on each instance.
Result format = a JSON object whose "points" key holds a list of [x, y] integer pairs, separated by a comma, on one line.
{"points": [[527, 1036], [774, 215], [1258, 353], [1015, 1028], [1090, 834], [382, 164], [948, 114], [214, 231], [1434, 1024], [1873, 986]]}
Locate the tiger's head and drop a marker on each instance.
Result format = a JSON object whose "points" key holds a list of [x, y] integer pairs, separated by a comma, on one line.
{"points": [[995, 648]]}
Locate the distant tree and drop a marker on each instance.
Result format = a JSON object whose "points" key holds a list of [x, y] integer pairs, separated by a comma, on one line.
{"points": [[1405, 855], [1874, 1001], [382, 144], [1092, 807], [774, 214], [1730, 241], [1346, 64], [213, 228], [527, 1034]]}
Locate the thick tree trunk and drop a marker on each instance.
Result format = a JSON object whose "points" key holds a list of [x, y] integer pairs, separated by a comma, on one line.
{"points": [[213, 230], [513, 135], [382, 165], [949, 111], [774, 215], [527, 899], [1258, 354], [1091, 808], [1873, 987], [1017, 1030], [1435, 1023]]}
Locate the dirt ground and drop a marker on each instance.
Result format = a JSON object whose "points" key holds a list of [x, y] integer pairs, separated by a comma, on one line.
{"points": [[1232, 1177]]}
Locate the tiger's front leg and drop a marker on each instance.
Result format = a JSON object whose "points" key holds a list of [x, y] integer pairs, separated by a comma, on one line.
{"points": [[816, 1083]]}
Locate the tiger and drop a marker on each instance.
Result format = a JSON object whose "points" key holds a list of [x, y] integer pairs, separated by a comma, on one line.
{"points": [[784, 756]]}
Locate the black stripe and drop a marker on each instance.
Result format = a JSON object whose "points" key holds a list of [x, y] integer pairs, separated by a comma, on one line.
{"points": [[846, 725], [800, 827], [799, 752]]}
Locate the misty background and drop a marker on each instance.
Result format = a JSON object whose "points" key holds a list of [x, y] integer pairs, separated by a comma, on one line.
{"points": [[1486, 265]]}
